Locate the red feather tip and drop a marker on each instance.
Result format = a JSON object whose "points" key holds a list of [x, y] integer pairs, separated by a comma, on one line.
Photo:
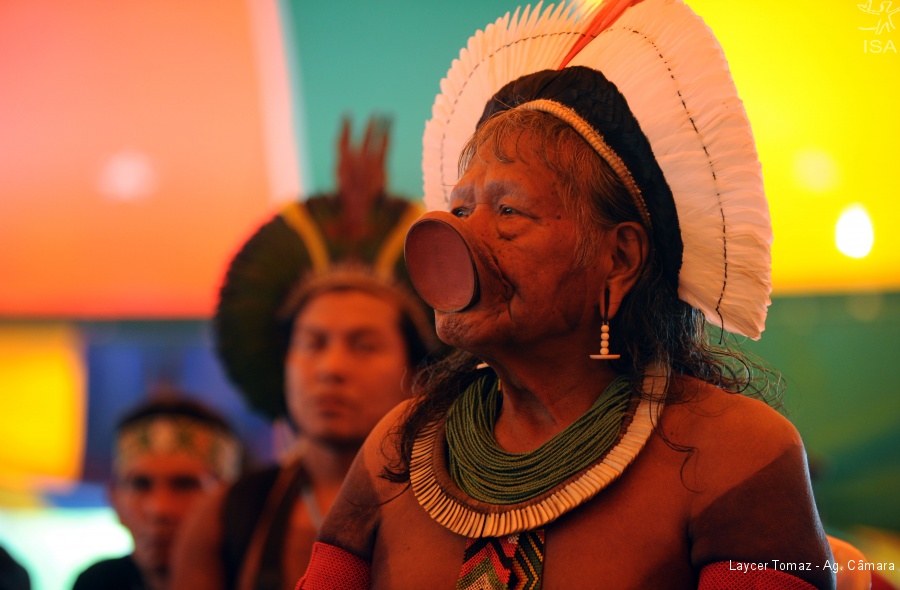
{"points": [[605, 15]]}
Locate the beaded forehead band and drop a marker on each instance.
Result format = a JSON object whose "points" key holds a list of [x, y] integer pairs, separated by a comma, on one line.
{"points": [[648, 87], [170, 435]]}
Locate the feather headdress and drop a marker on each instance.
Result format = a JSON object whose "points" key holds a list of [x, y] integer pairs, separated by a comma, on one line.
{"points": [[679, 139]]}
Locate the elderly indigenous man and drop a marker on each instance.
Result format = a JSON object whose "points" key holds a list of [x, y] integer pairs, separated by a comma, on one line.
{"points": [[168, 453], [591, 435], [355, 342]]}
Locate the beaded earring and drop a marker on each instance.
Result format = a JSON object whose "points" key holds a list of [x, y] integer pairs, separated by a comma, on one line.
{"points": [[604, 334]]}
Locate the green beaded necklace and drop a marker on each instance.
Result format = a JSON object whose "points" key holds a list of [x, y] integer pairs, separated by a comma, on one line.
{"points": [[484, 471]]}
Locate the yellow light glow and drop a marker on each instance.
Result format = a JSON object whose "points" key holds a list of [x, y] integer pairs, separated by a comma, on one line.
{"points": [[823, 104], [815, 170], [43, 400], [854, 235]]}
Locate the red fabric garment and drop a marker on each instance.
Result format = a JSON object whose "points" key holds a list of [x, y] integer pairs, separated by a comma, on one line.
{"points": [[724, 575], [879, 582], [332, 568]]}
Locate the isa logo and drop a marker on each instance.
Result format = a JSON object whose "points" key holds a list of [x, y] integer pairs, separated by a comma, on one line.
{"points": [[880, 23]]}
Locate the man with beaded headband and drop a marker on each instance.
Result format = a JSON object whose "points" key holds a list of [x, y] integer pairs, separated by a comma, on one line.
{"points": [[608, 198], [168, 453]]}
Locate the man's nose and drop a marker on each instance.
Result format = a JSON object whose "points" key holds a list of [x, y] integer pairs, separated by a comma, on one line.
{"points": [[481, 222], [333, 361], [164, 503]]}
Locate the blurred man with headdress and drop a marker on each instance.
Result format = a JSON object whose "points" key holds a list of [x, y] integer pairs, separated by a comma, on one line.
{"points": [[354, 342], [360, 222], [315, 324], [169, 452]]}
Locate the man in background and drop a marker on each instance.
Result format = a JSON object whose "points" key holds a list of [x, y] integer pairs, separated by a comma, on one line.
{"points": [[316, 328], [355, 341], [168, 453]]}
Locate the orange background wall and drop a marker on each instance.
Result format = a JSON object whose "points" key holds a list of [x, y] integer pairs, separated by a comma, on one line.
{"points": [[132, 155]]}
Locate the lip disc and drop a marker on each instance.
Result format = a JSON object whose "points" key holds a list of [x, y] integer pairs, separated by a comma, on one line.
{"points": [[440, 265]]}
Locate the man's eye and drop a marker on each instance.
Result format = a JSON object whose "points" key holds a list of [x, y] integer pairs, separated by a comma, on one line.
{"points": [[507, 210], [138, 484], [186, 483], [365, 346], [307, 342], [459, 212]]}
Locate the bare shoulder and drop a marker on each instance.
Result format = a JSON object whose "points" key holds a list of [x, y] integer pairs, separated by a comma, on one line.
{"points": [[750, 497], [380, 449], [353, 520], [731, 436], [709, 415]]}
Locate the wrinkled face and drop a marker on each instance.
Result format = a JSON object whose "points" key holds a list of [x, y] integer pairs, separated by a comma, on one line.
{"points": [[529, 239], [346, 366], [153, 495]]}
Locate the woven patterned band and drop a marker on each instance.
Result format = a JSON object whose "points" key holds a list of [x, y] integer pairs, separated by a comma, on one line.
{"points": [[169, 435]]}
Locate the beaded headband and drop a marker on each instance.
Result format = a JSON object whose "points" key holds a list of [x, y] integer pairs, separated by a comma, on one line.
{"points": [[170, 435], [647, 85]]}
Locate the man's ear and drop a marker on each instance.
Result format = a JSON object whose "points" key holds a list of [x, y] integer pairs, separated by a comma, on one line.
{"points": [[631, 247]]}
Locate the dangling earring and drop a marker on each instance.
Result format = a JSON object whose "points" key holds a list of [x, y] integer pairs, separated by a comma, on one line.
{"points": [[604, 334]]}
